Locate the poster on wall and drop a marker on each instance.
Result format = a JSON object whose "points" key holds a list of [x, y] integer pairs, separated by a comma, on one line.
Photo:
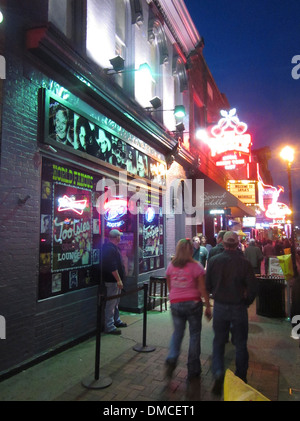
{"points": [[72, 228]]}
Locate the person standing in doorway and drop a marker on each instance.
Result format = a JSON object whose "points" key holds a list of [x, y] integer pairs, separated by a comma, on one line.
{"points": [[113, 273], [185, 279], [231, 281]]}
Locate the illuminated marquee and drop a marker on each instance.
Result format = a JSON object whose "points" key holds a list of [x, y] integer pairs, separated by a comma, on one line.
{"points": [[230, 146], [244, 190]]}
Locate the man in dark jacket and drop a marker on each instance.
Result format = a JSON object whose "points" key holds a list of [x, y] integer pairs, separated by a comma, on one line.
{"points": [[254, 255], [113, 274], [219, 248], [231, 281]]}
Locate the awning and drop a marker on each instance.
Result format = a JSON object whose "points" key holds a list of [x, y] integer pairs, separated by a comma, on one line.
{"points": [[216, 197]]}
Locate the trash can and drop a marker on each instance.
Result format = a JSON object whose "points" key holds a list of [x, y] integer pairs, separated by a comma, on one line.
{"points": [[270, 301]]}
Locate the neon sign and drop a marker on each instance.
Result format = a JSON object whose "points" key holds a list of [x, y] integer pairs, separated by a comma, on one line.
{"points": [[150, 214], [229, 137], [68, 203], [114, 210], [275, 209]]}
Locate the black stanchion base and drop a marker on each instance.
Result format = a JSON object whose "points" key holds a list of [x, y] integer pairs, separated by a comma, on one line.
{"points": [[141, 348], [92, 383]]}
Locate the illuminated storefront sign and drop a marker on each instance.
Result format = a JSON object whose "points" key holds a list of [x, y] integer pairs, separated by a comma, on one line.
{"points": [[249, 221], [229, 144], [115, 210], [66, 203], [72, 228], [244, 190], [278, 210], [69, 230], [217, 212], [268, 200]]}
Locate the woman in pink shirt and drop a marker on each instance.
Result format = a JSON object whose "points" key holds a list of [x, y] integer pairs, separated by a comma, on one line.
{"points": [[185, 279]]}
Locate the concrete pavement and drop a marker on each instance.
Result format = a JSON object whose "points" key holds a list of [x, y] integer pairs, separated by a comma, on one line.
{"points": [[274, 365]]}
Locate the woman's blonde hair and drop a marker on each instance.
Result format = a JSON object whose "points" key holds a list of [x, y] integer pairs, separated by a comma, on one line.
{"points": [[184, 253]]}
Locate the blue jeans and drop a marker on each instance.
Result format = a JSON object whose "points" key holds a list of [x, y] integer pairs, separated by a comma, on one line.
{"points": [[191, 312], [112, 316], [235, 318]]}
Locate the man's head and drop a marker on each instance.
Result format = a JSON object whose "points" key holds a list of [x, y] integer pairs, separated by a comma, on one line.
{"points": [[196, 242], [115, 236], [230, 240], [220, 236]]}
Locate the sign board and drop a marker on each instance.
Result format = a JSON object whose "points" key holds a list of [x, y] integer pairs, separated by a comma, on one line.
{"points": [[229, 144], [245, 191], [274, 267]]}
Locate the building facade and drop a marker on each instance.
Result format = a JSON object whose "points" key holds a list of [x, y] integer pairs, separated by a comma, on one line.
{"points": [[90, 141]]}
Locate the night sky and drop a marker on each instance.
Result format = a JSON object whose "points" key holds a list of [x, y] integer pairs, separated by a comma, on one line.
{"points": [[249, 47]]}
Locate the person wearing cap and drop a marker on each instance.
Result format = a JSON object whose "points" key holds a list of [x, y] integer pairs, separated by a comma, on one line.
{"points": [[113, 273], [231, 281]]}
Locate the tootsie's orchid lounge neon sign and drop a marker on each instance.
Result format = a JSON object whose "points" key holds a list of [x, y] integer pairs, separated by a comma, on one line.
{"points": [[229, 144]]}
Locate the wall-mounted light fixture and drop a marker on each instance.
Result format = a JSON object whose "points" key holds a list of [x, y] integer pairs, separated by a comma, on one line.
{"points": [[118, 67], [155, 102], [117, 63], [170, 157], [179, 110], [180, 127]]}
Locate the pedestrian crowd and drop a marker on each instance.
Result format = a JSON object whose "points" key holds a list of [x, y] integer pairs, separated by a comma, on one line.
{"points": [[226, 273]]}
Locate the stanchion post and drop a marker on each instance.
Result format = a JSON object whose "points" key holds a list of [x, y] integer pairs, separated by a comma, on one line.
{"points": [[97, 381], [144, 347]]}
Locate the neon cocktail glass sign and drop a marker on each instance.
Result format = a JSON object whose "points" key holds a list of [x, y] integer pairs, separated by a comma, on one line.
{"points": [[68, 203]]}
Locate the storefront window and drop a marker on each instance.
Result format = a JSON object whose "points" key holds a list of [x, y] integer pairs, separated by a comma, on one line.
{"points": [[73, 225], [60, 14], [151, 246], [70, 229]]}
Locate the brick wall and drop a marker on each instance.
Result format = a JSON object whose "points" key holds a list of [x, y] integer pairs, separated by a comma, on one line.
{"points": [[32, 327]]}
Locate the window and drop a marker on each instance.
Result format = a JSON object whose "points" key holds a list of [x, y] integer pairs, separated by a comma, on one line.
{"points": [[120, 32], [60, 13]]}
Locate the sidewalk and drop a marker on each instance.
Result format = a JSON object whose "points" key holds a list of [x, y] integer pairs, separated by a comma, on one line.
{"points": [[274, 365]]}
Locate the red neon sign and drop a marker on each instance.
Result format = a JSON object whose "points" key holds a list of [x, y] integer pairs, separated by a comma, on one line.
{"points": [[230, 141], [66, 203]]}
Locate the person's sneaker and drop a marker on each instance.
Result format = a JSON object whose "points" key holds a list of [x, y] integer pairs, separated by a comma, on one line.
{"points": [[122, 324], [218, 386], [114, 332]]}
